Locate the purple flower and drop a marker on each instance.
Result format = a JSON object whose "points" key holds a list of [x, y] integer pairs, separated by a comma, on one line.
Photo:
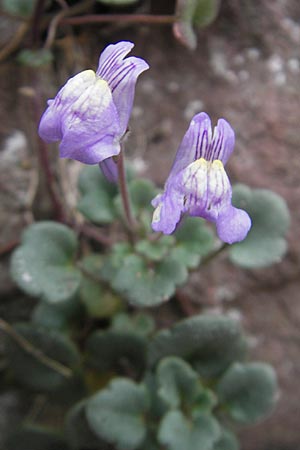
{"points": [[198, 184], [90, 113]]}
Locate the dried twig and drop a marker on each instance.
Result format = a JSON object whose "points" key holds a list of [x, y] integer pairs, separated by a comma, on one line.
{"points": [[58, 367]]}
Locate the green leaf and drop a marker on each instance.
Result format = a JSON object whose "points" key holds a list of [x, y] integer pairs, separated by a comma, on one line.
{"points": [[97, 299], [141, 193], [97, 196], [178, 383], [113, 262], [208, 342], [144, 285], [55, 316], [265, 243], [35, 58], [206, 12], [176, 432], [199, 13], [117, 414], [140, 323], [155, 250], [43, 266], [193, 241], [115, 351], [227, 441], [34, 437], [28, 369], [249, 391], [77, 431], [23, 8], [205, 402]]}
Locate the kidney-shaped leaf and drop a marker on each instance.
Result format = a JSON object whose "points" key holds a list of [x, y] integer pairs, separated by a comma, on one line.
{"points": [[265, 243], [176, 432], [248, 391], [144, 285], [193, 241], [43, 266], [208, 342], [178, 384], [116, 414]]}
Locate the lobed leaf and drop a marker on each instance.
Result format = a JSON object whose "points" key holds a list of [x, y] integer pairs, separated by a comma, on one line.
{"points": [[178, 384], [117, 414], [265, 243], [208, 342], [143, 285], [249, 391], [43, 266], [193, 241], [177, 432]]}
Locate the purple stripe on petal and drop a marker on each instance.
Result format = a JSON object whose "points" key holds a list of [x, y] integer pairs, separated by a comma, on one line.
{"points": [[189, 149], [120, 75], [113, 55], [222, 142]]}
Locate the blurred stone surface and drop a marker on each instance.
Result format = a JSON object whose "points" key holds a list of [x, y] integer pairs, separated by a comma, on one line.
{"points": [[247, 69]]}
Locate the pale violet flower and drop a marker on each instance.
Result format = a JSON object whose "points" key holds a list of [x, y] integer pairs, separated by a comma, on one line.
{"points": [[90, 113], [198, 184]]}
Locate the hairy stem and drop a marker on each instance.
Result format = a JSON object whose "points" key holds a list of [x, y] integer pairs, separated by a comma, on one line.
{"points": [[35, 352]]}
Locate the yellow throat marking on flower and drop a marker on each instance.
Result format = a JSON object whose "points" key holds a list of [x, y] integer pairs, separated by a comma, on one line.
{"points": [[202, 174]]}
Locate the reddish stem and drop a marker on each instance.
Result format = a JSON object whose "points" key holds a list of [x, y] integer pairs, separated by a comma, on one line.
{"points": [[124, 193], [128, 18]]}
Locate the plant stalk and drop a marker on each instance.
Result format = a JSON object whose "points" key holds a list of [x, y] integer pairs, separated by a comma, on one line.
{"points": [[125, 194]]}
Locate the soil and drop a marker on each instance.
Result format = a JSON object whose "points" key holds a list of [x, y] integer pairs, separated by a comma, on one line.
{"points": [[246, 68]]}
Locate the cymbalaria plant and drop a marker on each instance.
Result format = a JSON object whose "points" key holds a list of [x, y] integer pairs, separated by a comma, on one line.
{"points": [[122, 380]]}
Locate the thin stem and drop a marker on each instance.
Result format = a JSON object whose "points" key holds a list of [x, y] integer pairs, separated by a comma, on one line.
{"points": [[35, 352], [44, 160], [93, 233], [213, 254], [58, 19], [128, 18], [124, 192], [38, 11]]}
